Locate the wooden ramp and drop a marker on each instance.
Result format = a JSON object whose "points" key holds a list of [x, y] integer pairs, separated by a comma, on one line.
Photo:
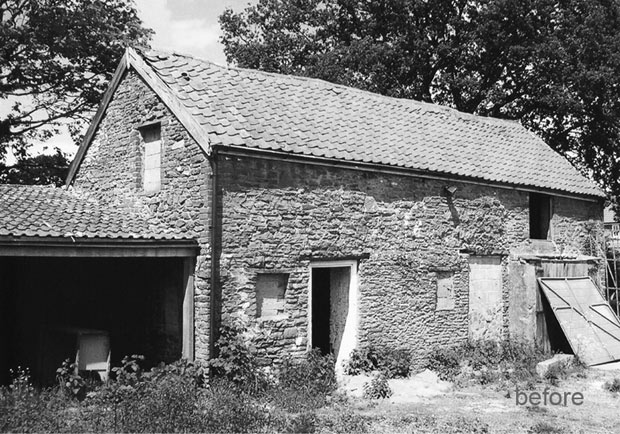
{"points": [[589, 324]]}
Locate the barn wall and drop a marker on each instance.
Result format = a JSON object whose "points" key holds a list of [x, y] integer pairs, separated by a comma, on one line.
{"points": [[408, 232]]}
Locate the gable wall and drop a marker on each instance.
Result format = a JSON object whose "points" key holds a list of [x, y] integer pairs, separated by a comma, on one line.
{"points": [[278, 216], [112, 171]]}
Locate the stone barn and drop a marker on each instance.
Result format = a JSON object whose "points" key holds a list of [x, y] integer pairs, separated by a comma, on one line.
{"points": [[329, 217]]}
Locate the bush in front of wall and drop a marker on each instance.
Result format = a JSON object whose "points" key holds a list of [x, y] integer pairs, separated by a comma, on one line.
{"points": [[393, 363], [236, 359], [486, 361]]}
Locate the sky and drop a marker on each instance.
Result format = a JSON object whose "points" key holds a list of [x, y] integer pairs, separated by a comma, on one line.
{"points": [[186, 26]]}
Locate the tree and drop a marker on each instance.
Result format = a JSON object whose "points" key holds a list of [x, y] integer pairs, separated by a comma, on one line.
{"points": [[40, 169], [56, 58], [553, 65]]}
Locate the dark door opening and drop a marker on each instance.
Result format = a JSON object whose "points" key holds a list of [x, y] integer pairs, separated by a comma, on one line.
{"points": [[321, 309], [330, 307], [557, 341]]}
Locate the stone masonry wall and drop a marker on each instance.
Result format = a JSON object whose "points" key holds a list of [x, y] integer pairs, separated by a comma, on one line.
{"points": [[112, 171], [278, 216]]}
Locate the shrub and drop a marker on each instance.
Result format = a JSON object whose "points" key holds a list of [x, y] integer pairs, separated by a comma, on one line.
{"points": [[236, 359], [315, 373], [612, 386], [488, 361], [162, 400], [445, 362], [69, 381], [377, 388], [393, 363], [305, 384], [360, 362]]}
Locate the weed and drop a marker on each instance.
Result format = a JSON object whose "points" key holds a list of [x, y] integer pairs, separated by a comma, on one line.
{"points": [[612, 386], [377, 388], [485, 362], [69, 381], [545, 428]]}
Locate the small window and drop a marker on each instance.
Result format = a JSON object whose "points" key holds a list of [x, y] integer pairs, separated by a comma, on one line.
{"points": [[540, 216], [445, 291], [270, 295], [151, 179]]}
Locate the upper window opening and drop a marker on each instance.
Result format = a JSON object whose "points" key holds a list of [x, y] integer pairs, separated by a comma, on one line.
{"points": [[540, 216], [151, 180]]}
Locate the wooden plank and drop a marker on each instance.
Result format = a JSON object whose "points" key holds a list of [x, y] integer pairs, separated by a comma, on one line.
{"points": [[120, 249], [188, 309]]}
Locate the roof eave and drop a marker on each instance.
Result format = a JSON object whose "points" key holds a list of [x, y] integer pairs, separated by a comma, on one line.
{"points": [[399, 170], [12, 245]]}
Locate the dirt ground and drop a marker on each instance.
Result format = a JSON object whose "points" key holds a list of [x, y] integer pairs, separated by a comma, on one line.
{"points": [[424, 404]]}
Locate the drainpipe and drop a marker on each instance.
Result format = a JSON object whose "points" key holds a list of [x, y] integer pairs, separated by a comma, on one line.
{"points": [[213, 301]]}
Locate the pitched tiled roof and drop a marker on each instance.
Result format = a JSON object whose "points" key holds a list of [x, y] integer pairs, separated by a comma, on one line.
{"points": [[46, 211], [254, 109]]}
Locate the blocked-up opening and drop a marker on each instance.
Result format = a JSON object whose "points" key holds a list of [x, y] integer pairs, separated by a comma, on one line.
{"points": [[151, 178], [270, 295], [53, 307], [540, 216], [445, 291]]}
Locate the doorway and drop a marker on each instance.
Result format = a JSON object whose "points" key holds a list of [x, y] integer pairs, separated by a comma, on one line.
{"points": [[333, 308]]}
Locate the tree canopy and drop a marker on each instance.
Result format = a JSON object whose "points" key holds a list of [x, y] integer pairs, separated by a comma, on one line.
{"points": [[553, 65], [40, 170], [56, 58]]}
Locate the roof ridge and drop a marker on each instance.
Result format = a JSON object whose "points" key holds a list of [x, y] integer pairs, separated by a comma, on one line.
{"points": [[446, 109]]}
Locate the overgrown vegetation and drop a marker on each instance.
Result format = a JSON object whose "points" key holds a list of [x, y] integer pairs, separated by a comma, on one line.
{"points": [[234, 394], [239, 397], [486, 362], [392, 363]]}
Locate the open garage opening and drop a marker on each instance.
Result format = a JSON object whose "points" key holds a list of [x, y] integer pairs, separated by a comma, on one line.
{"points": [[53, 306]]}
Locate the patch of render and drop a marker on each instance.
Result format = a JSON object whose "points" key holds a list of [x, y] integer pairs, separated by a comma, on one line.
{"points": [[112, 171]]}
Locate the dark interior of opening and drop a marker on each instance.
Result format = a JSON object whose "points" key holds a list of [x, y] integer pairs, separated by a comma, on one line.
{"points": [[540, 216], [45, 302], [321, 309], [557, 339]]}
